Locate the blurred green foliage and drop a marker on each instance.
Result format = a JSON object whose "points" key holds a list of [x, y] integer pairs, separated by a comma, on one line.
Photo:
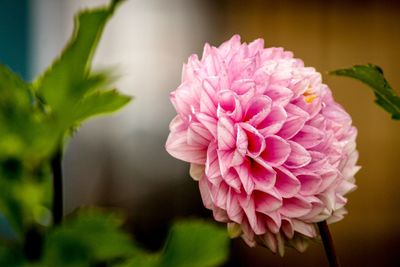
{"points": [[35, 119], [372, 75], [190, 244]]}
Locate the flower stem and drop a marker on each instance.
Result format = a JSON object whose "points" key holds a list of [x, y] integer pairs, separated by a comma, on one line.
{"points": [[328, 244], [57, 187]]}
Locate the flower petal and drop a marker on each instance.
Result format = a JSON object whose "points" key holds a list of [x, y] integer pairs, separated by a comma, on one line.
{"points": [[178, 147], [294, 123], [243, 171], [273, 122], [308, 137], [299, 156], [226, 134], [267, 202], [263, 175], [286, 183], [197, 134], [208, 122], [196, 171], [255, 141], [257, 109], [295, 207], [277, 150]]}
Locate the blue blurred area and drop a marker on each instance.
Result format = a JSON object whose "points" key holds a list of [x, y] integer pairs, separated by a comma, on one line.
{"points": [[13, 53], [14, 29]]}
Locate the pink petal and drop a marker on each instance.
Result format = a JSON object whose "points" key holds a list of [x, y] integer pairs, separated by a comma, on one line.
{"points": [[257, 109], [310, 183], [197, 134], [177, 124], [309, 137], [294, 123], [244, 176], [273, 221], [256, 142], [219, 194], [205, 193], [306, 229], [226, 134], [267, 202], [241, 140], [228, 159], [299, 156], [248, 234], [317, 207], [232, 179], [183, 98], [212, 164], [287, 228], [277, 150], [346, 187], [233, 208], [329, 178], [208, 100], [242, 86], [209, 123], [220, 215], [178, 147], [280, 95], [256, 46], [286, 183], [230, 104], [295, 207], [256, 224], [263, 175], [230, 47], [273, 122]]}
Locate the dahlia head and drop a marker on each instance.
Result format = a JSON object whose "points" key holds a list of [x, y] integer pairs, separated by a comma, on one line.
{"points": [[273, 152]]}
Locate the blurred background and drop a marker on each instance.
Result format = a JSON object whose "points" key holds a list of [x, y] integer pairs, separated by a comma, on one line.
{"points": [[120, 161]]}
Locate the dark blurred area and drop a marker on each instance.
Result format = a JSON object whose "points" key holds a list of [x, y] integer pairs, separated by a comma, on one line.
{"points": [[120, 161]]}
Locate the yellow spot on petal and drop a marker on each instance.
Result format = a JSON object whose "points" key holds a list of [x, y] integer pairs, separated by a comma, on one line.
{"points": [[309, 95], [309, 98]]}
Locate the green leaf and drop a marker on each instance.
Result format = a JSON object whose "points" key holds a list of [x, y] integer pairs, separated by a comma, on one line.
{"points": [[99, 102], [195, 244], [91, 237], [372, 75], [69, 84], [61, 83]]}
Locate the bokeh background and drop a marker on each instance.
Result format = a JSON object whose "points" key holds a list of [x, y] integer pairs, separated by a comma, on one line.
{"points": [[120, 161]]}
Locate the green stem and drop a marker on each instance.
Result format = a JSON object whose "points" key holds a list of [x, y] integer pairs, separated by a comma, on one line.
{"points": [[328, 244], [57, 187]]}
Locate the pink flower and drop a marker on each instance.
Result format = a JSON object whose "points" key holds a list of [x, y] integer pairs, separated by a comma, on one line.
{"points": [[272, 151]]}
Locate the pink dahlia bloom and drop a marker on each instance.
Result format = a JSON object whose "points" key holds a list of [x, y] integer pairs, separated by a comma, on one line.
{"points": [[272, 150]]}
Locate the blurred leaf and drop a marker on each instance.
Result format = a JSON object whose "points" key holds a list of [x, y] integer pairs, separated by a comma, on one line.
{"points": [[10, 256], [24, 202], [98, 103], [68, 80], [195, 244], [90, 237], [142, 260], [372, 75], [61, 82], [192, 243]]}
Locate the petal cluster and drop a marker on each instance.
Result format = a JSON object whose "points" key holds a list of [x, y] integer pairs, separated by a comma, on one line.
{"points": [[271, 149]]}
